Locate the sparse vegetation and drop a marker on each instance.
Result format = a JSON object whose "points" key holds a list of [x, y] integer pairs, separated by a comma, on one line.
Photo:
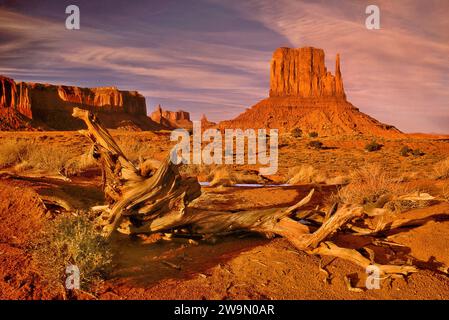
{"points": [[296, 133], [368, 185], [12, 152], [224, 176], [71, 240], [441, 169], [405, 151], [373, 146], [134, 148], [77, 165], [29, 155], [417, 153], [305, 174], [315, 144], [313, 134]]}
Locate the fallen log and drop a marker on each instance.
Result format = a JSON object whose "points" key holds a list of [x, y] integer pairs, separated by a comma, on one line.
{"points": [[159, 202]]}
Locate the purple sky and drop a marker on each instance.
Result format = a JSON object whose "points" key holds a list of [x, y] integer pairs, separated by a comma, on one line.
{"points": [[212, 56]]}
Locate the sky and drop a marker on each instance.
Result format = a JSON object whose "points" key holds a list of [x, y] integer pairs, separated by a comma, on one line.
{"points": [[212, 56]]}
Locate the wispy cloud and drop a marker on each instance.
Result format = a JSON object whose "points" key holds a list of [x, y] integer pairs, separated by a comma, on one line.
{"points": [[399, 74], [184, 70], [213, 56]]}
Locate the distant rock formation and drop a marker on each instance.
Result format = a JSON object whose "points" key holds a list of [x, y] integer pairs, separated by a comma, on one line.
{"points": [[14, 107], [303, 94], [50, 106], [205, 123], [302, 73], [171, 119]]}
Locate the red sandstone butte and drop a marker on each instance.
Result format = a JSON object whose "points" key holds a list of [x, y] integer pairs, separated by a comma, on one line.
{"points": [[171, 119], [50, 106], [304, 94]]}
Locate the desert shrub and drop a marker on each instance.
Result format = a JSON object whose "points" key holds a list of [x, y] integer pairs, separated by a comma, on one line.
{"points": [[30, 155], [195, 170], [222, 176], [417, 153], [305, 174], [296, 133], [226, 177], [405, 151], [441, 169], [338, 180], [12, 152], [134, 148], [313, 134], [373, 146], [71, 240], [79, 164], [368, 185], [315, 144], [48, 158]]}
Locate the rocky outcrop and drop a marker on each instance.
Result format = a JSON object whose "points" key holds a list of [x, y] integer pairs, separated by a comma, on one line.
{"points": [[15, 112], [171, 119], [50, 106], [205, 123], [302, 73], [104, 99], [304, 95]]}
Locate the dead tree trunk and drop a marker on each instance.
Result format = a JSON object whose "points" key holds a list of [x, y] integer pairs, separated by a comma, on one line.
{"points": [[160, 202]]}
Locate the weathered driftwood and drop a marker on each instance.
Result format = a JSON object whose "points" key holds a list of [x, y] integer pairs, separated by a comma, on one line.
{"points": [[159, 202]]}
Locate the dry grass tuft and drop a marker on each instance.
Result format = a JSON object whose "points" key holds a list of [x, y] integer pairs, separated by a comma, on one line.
{"points": [[71, 240], [27, 155], [79, 164], [12, 152], [305, 174], [368, 185], [134, 148], [226, 177], [441, 169]]}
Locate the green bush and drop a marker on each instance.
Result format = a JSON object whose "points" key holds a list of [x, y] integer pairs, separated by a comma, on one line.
{"points": [[373, 146], [71, 240], [313, 134]]}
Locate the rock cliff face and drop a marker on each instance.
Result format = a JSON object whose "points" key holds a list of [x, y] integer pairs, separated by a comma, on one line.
{"points": [[50, 106], [303, 94], [205, 123], [171, 119], [14, 107], [302, 73]]}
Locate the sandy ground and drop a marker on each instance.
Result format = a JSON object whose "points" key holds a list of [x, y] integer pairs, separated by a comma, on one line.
{"points": [[242, 266]]}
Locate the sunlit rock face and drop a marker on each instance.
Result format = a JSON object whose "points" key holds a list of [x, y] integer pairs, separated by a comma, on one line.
{"points": [[15, 108], [50, 106], [171, 119], [304, 95], [302, 73]]}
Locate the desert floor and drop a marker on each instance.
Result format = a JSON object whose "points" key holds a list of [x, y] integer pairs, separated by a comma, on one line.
{"points": [[243, 266]]}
